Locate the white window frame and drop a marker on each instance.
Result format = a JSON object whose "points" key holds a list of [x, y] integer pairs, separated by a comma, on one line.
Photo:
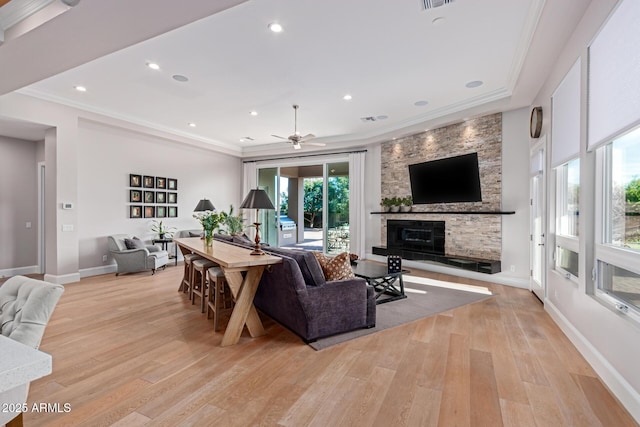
{"points": [[564, 241], [605, 252]]}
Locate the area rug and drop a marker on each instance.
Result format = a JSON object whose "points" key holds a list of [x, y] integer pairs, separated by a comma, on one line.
{"points": [[425, 297]]}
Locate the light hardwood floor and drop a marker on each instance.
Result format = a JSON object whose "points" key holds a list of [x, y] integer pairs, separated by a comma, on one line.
{"points": [[131, 350]]}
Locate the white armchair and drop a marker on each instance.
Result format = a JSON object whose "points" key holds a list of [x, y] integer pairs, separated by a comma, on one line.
{"points": [[25, 308], [134, 260]]}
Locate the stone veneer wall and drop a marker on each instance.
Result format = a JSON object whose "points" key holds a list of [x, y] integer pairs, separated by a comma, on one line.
{"points": [[476, 236]]}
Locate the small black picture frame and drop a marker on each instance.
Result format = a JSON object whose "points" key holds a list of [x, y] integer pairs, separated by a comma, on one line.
{"points": [[135, 196], [135, 211], [149, 212], [149, 197], [172, 212], [161, 197], [172, 198], [135, 180], [172, 184], [161, 211], [161, 183], [149, 182]]}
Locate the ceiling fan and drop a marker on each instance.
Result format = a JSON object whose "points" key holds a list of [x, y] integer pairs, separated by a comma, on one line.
{"points": [[296, 139]]}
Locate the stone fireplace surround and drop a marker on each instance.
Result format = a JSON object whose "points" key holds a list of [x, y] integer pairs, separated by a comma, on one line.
{"points": [[467, 235]]}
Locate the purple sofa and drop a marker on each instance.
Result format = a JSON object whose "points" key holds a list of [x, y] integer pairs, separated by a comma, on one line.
{"points": [[296, 295]]}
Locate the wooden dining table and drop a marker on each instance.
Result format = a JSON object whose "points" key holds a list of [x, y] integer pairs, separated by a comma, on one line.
{"points": [[234, 261]]}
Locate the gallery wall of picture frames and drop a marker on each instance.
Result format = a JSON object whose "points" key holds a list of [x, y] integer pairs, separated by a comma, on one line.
{"points": [[152, 197]]}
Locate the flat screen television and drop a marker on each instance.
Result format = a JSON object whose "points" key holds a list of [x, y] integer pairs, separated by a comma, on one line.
{"points": [[449, 180]]}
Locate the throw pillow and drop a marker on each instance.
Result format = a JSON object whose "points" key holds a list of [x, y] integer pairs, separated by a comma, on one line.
{"points": [[191, 234], [134, 243], [336, 268]]}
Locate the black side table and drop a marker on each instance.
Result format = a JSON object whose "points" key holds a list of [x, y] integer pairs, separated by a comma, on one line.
{"points": [[164, 244], [384, 282]]}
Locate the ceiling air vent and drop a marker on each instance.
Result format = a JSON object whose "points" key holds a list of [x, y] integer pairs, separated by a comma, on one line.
{"points": [[430, 4], [368, 119]]}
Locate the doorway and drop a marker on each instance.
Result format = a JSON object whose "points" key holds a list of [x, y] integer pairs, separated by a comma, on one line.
{"points": [[41, 218], [538, 222]]}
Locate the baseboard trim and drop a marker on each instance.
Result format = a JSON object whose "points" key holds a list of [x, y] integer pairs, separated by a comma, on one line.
{"points": [[19, 271], [620, 388], [62, 279], [499, 278], [97, 271]]}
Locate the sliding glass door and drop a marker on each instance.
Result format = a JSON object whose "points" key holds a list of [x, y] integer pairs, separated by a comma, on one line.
{"points": [[316, 199], [337, 207]]}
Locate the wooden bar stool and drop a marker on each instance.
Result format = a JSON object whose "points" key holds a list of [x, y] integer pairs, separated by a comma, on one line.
{"points": [[199, 280], [220, 300], [185, 283]]}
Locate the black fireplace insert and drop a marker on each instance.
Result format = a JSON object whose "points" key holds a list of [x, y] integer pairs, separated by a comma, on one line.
{"points": [[419, 236]]}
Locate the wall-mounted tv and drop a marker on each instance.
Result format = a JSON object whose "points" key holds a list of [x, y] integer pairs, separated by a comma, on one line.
{"points": [[449, 180]]}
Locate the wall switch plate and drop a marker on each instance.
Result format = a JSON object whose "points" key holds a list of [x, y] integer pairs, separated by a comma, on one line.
{"points": [[67, 227], [28, 225], [104, 258]]}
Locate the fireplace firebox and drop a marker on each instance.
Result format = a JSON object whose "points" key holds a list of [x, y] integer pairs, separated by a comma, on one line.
{"points": [[419, 236], [424, 241]]}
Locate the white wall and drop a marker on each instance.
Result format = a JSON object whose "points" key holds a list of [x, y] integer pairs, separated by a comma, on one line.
{"points": [[608, 340], [106, 157], [515, 194], [372, 196], [18, 206], [88, 160]]}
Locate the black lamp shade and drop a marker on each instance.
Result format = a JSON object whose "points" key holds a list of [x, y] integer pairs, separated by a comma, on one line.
{"points": [[257, 199], [204, 205]]}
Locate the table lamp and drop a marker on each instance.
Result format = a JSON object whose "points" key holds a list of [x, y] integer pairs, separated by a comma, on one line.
{"points": [[257, 199], [204, 205]]}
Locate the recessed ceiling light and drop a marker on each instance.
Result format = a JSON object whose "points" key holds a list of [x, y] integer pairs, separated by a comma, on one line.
{"points": [[275, 27], [420, 103], [347, 97], [180, 78], [241, 139], [254, 113], [192, 124], [383, 117], [80, 88], [474, 83], [153, 65]]}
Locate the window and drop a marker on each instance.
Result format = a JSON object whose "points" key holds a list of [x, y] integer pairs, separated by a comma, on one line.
{"points": [[622, 284], [618, 253], [622, 191], [568, 196], [567, 218]]}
